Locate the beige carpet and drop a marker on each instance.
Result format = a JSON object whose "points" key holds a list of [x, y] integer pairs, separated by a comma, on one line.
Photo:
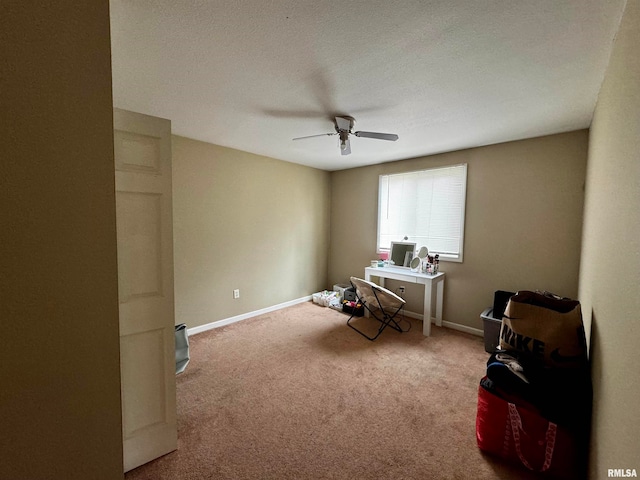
{"points": [[296, 394]]}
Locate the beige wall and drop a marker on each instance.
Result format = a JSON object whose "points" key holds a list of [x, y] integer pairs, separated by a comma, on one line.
{"points": [[610, 270], [60, 377], [248, 222], [522, 230]]}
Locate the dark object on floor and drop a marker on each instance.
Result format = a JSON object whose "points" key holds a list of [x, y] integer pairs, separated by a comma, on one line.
{"points": [[353, 308], [350, 294], [500, 299], [534, 409], [492, 319], [516, 432]]}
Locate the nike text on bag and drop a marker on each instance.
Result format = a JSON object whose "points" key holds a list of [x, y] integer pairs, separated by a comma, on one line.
{"points": [[546, 327]]}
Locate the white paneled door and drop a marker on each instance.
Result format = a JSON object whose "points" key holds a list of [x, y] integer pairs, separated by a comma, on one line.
{"points": [[145, 286]]}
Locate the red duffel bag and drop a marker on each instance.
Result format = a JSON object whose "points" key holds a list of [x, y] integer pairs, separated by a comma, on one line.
{"points": [[516, 432]]}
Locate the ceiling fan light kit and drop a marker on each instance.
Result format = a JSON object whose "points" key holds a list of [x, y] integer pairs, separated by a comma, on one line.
{"points": [[344, 127]]}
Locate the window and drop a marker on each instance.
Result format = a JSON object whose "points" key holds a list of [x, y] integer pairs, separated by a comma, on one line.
{"points": [[426, 207]]}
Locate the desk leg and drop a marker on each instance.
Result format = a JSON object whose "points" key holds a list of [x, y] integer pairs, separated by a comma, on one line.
{"points": [[426, 320], [439, 300]]}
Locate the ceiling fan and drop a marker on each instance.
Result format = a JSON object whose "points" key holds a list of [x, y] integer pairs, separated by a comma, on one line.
{"points": [[344, 127]]}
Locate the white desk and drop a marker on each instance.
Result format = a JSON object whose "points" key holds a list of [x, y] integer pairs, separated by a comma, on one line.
{"points": [[407, 276]]}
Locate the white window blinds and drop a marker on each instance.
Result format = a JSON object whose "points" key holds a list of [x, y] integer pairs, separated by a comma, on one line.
{"points": [[427, 207]]}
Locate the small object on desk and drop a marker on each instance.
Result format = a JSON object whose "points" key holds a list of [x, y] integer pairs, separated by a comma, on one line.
{"points": [[374, 263], [432, 264], [415, 264]]}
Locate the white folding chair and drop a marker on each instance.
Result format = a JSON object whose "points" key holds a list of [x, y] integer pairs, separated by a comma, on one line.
{"points": [[383, 305]]}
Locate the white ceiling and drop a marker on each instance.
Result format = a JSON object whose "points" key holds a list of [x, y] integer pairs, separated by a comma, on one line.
{"points": [[444, 75]]}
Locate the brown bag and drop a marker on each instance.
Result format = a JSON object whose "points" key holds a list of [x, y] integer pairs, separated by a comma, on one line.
{"points": [[546, 327]]}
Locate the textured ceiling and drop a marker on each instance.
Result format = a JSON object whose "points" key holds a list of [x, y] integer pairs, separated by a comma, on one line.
{"points": [[443, 75]]}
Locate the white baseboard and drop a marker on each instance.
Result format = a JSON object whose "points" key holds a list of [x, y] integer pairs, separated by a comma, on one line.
{"points": [[244, 316], [451, 325], [255, 313], [463, 328]]}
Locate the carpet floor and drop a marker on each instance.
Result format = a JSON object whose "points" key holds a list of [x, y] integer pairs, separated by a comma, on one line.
{"points": [[296, 394]]}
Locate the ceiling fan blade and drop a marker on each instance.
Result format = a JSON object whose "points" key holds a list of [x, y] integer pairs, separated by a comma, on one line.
{"points": [[312, 136], [347, 148], [380, 136]]}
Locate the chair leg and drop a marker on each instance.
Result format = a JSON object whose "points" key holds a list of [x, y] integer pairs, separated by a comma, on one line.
{"points": [[362, 333], [387, 320]]}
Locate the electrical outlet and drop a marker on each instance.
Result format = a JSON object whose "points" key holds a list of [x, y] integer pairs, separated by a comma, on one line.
{"points": [[402, 289], [236, 293]]}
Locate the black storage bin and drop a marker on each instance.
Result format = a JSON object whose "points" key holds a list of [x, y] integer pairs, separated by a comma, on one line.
{"points": [[350, 294], [353, 308], [500, 300], [492, 319]]}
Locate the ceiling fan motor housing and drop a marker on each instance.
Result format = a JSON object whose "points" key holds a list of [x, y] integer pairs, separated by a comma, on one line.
{"points": [[344, 124]]}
